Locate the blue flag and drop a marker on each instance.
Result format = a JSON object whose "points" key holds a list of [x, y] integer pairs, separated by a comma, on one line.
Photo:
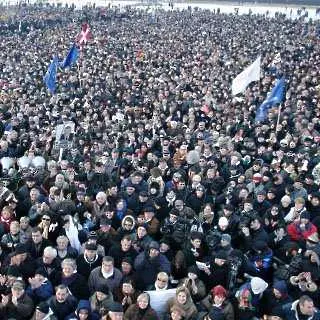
{"points": [[51, 75], [276, 96], [71, 57]]}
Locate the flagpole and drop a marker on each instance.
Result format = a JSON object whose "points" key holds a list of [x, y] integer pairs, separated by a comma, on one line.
{"points": [[278, 119]]}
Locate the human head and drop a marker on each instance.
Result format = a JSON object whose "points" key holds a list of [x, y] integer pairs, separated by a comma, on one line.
{"points": [[69, 267], [62, 293], [162, 280], [143, 300], [49, 254], [306, 305], [62, 242], [36, 235], [107, 264]]}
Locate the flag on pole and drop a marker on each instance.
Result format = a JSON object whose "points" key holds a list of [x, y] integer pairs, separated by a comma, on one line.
{"points": [[85, 35], [276, 96], [242, 80], [71, 57], [51, 75]]}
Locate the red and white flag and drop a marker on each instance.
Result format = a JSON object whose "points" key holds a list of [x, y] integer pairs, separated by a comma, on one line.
{"points": [[85, 35]]}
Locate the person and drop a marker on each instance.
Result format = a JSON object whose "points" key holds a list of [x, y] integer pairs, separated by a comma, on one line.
{"points": [[175, 313], [40, 288], [141, 310], [127, 294], [37, 245], [89, 260], [101, 299], [106, 275], [183, 300], [300, 309], [83, 312], [149, 263], [217, 298], [43, 312], [249, 298], [76, 283], [161, 283], [17, 305]]}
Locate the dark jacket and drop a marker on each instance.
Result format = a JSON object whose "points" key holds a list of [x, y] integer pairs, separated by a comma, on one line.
{"points": [[289, 312], [84, 267], [62, 310], [147, 269], [134, 313], [22, 311], [83, 304]]}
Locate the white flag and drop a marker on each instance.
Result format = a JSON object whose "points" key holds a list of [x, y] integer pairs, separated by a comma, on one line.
{"points": [[242, 80]]}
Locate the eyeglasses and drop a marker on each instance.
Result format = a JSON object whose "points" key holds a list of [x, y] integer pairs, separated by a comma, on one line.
{"points": [[128, 224], [46, 219], [162, 280]]}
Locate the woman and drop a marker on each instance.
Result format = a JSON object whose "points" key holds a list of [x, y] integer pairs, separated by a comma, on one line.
{"points": [[75, 282], [273, 218], [176, 313], [5, 219], [49, 229], [217, 297], [141, 310], [184, 301], [194, 284], [100, 300], [126, 294], [127, 227]]}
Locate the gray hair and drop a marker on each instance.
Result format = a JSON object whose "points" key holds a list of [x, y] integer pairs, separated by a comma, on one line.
{"points": [[50, 251], [69, 262]]}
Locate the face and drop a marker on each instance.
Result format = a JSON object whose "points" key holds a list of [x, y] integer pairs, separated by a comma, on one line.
{"points": [[125, 245], [127, 288], [141, 232], [219, 262], [83, 314], [182, 297], [36, 237], [67, 270], [196, 243], [126, 267], [107, 266], [14, 229], [161, 281], [90, 254], [6, 214], [61, 295], [277, 293], [307, 308], [17, 293], [218, 300], [143, 302], [127, 224], [100, 295], [62, 244], [46, 220], [24, 223]]}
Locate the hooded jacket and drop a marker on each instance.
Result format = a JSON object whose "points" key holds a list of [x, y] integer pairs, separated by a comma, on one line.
{"points": [[83, 304]]}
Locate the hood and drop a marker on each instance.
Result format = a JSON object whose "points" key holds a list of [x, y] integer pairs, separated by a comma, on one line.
{"points": [[83, 304], [281, 286]]}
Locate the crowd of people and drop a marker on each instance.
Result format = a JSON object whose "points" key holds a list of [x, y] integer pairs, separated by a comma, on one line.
{"points": [[166, 181]]}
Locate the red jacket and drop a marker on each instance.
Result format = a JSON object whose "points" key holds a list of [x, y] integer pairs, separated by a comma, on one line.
{"points": [[297, 234]]}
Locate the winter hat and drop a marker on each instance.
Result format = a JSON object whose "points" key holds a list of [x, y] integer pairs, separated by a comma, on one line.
{"points": [[154, 245], [221, 255], [43, 307], [193, 269], [259, 245], [216, 314], [219, 291], [281, 286], [128, 260], [42, 272], [258, 285], [305, 215], [103, 288], [91, 246], [20, 248], [313, 238], [257, 177], [226, 237], [115, 307]]}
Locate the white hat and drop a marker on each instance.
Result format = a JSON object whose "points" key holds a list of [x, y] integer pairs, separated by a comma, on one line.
{"points": [[223, 221], [258, 285]]}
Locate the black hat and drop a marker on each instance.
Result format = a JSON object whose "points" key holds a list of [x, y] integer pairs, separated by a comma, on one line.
{"points": [[128, 260], [116, 307], [216, 314], [221, 255], [43, 307], [259, 245], [92, 235], [229, 207], [91, 246], [154, 245], [20, 248], [193, 269], [305, 215], [13, 271], [42, 272], [143, 194], [103, 288]]}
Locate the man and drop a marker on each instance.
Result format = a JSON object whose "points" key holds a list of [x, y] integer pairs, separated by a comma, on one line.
{"points": [[106, 275], [149, 263], [49, 262], [63, 303], [124, 250], [162, 282], [37, 245], [89, 260], [300, 309], [17, 305]]}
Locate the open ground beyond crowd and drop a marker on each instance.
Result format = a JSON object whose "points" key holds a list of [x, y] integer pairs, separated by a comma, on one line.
{"points": [[142, 187]]}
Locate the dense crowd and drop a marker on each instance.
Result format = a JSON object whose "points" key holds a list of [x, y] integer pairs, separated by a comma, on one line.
{"points": [[166, 182]]}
